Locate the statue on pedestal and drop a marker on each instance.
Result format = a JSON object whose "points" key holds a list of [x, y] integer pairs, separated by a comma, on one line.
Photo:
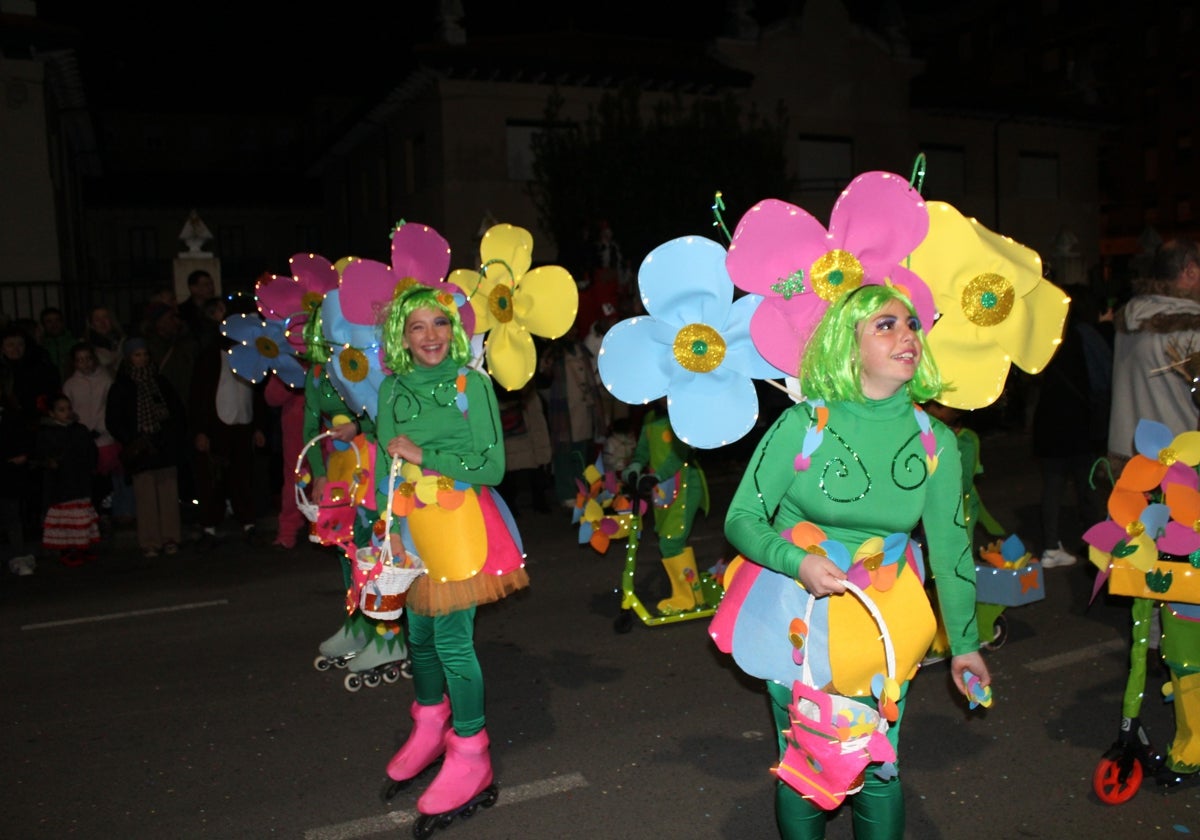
{"points": [[194, 234]]}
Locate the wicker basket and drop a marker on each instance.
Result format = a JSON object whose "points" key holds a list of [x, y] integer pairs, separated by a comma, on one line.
{"points": [[331, 521], [382, 580]]}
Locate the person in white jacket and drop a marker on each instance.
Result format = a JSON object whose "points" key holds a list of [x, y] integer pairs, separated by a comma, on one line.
{"points": [[1156, 329]]}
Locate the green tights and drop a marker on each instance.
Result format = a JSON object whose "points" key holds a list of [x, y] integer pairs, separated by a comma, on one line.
{"points": [[442, 649]]}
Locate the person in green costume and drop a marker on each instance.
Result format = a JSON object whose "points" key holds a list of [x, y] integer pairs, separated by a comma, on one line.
{"points": [[440, 420], [325, 410], [860, 459], [660, 456]]}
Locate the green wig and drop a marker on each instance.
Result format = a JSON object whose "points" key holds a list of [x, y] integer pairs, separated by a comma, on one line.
{"points": [[405, 301], [316, 351], [830, 366]]}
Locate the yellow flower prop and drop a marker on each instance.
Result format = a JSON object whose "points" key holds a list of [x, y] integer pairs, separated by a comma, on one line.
{"points": [[512, 304], [996, 309]]}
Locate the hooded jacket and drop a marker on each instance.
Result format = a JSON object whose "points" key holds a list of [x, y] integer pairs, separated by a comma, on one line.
{"points": [[1144, 385]]}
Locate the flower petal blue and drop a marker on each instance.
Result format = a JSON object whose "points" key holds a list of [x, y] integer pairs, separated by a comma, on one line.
{"points": [[740, 352], [289, 370], [1151, 437], [635, 364], [684, 281], [248, 363], [242, 327], [712, 409]]}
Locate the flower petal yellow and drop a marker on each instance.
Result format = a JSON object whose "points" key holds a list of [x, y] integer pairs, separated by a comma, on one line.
{"points": [[511, 356], [972, 345]]}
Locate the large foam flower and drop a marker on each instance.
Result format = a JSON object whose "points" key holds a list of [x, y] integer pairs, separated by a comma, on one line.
{"points": [[259, 348], [351, 315], [291, 300], [996, 309], [1161, 458], [694, 345], [784, 255], [512, 304]]}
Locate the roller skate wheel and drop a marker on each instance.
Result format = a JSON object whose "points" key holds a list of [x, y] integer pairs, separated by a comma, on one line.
{"points": [[353, 682], [372, 679], [1108, 784], [391, 674], [406, 669], [321, 663]]}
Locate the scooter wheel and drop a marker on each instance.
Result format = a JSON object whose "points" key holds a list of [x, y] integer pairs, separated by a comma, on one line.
{"points": [[1110, 788], [1000, 630], [623, 623]]}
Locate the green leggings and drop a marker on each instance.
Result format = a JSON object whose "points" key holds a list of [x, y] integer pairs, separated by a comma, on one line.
{"points": [[444, 663], [877, 810]]}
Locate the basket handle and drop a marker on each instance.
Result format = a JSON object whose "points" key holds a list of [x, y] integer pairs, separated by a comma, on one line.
{"points": [[385, 550], [357, 459], [888, 650]]}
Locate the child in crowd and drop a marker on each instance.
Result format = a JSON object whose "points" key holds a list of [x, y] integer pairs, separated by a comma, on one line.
{"points": [[67, 455]]}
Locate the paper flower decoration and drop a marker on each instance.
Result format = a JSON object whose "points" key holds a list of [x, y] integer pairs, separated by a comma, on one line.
{"points": [[292, 300], [512, 304], [351, 315], [996, 310], [784, 255], [602, 512], [1130, 534], [1160, 459], [694, 345], [355, 366], [1182, 536], [259, 348]]}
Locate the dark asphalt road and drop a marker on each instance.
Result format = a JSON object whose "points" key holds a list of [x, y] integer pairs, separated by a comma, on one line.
{"points": [[176, 698]]}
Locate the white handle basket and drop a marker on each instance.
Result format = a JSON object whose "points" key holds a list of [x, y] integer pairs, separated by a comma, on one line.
{"points": [[382, 596], [310, 509]]}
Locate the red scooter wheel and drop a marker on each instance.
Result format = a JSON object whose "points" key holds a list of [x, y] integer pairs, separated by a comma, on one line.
{"points": [[1109, 786]]}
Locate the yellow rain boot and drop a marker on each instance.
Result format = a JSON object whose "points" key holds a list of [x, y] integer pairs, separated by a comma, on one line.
{"points": [[685, 583]]}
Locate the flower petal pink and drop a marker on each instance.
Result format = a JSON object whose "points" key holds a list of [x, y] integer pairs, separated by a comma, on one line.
{"points": [[366, 288], [420, 252], [880, 219]]}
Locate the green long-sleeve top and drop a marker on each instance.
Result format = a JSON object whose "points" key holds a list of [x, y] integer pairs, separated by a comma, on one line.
{"points": [[424, 405], [867, 478], [322, 403]]}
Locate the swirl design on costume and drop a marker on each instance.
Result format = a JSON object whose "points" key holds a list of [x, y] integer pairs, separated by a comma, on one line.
{"points": [[909, 466], [844, 478]]}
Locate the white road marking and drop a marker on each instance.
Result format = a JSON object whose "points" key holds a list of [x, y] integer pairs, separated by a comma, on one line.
{"points": [[394, 819], [112, 616], [1071, 657]]}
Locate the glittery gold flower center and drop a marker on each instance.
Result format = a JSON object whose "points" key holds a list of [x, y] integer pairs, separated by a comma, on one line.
{"points": [[987, 300], [1167, 456], [353, 364], [500, 303], [266, 348], [699, 348], [835, 274], [310, 300], [1135, 529]]}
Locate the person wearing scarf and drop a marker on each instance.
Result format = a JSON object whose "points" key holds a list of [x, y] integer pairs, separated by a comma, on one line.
{"points": [[146, 417]]}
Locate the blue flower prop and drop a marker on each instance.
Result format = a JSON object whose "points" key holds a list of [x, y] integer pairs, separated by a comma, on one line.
{"points": [[694, 346], [354, 367], [260, 347]]}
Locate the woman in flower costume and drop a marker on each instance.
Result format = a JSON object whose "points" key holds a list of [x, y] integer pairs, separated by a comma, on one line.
{"points": [[667, 461], [441, 418], [878, 467]]}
